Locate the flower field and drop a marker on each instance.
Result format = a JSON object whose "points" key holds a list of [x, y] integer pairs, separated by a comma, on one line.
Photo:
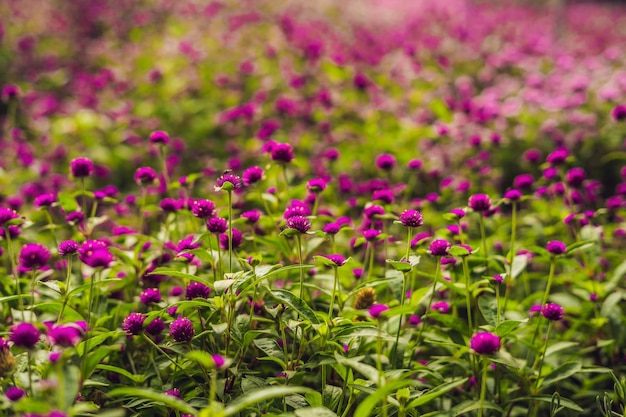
{"points": [[305, 209]]}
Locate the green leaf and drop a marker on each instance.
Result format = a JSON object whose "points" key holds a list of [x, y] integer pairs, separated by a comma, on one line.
{"points": [[270, 347], [138, 379], [467, 406], [167, 400], [366, 370], [175, 273], [564, 402], [400, 265], [564, 371], [366, 406], [296, 303], [519, 265], [578, 246], [435, 392], [67, 202], [264, 394], [508, 326], [203, 358], [458, 251], [69, 314], [314, 412], [488, 306]]}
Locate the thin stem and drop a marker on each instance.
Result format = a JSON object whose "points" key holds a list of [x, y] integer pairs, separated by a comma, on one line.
{"points": [[550, 277], [30, 373], [299, 247], [509, 276], [402, 298], [379, 364], [68, 279], [483, 389], [334, 293], [468, 296], [543, 355], [430, 301], [18, 289], [162, 352], [230, 231], [483, 238], [408, 242]]}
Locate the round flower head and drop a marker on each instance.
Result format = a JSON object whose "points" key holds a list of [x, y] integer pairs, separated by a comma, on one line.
{"points": [[218, 361], [45, 200], [68, 247], [237, 239], [316, 185], [557, 157], [523, 181], [556, 247], [64, 335], [197, 290], [376, 310], [145, 175], [575, 177], [552, 312], [415, 164], [485, 343], [24, 335], [14, 393], [33, 256], [159, 137], [229, 182], [411, 218], [619, 112], [9, 92], [202, 209], [439, 247], [332, 228], [169, 205], [479, 202], [182, 330], [99, 258], [512, 195], [155, 327], [150, 296], [386, 162], [217, 225], [299, 223], [174, 392], [81, 167], [252, 175], [441, 306], [251, 216], [282, 152], [337, 259], [6, 215], [133, 324]]}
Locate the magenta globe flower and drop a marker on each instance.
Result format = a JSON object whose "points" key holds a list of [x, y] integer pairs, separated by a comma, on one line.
{"points": [[159, 137], [479, 202], [485, 343], [182, 330], [81, 168], [24, 335], [299, 223], [439, 247], [556, 247], [133, 324], [33, 256], [376, 310], [145, 175], [411, 218], [552, 312]]}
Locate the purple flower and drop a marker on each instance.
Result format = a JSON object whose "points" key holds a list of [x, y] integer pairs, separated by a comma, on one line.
{"points": [[415, 164], [439, 247], [202, 209], [316, 185], [411, 218], [557, 157], [150, 296], [441, 306], [296, 208], [45, 200], [251, 216], [619, 112], [479, 202], [218, 361], [68, 247], [155, 327], [553, 312], [159, 137], [9, 91], [33, 256], [98, 258], [24, 335], [174, 392], [237, 239], [282, 152], [170, 205], [523, 181], [299, 223], [252, 175], [6, 215], [512, 195], [229, 182], [575, 177], [332, 228], [217, 225], [133, 324], [485, 343], [373, 210], [414, 320], [386, 162], [337, 259], [145, 175], [197, 290], [182, 330], [376, 310], [81, 168], [556, 247], [64, 335], [14, 393], [371, 234]]}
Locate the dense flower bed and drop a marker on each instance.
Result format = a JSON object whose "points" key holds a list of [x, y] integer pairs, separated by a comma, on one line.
{"points": [[246, 208]]}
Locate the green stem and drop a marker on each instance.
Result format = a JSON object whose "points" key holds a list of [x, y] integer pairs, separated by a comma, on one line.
{"points": [[402, 298], [430, 301], [483, 389], [543, 356], [230, 231], [550, 278], [299, 247], [18, 288], [483, 239], [468, 296], [379, 364], [68, 279], [334, 293], [408, 242], [509, 276]]}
